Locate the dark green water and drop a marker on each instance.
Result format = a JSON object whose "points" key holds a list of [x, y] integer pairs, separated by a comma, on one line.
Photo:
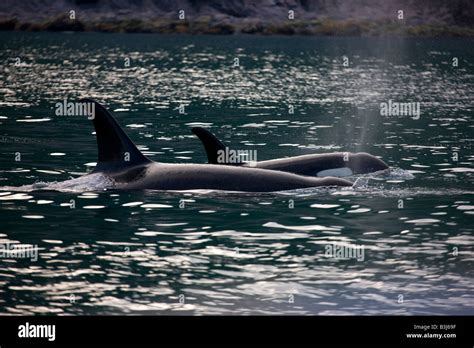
{"points": [[229, 253]]}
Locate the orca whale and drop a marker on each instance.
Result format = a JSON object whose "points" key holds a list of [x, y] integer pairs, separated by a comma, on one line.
{"points": [[330, 164], [120, 160]]}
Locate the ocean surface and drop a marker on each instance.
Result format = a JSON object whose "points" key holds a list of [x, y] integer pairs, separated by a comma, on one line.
{"points": [[398, 242]]}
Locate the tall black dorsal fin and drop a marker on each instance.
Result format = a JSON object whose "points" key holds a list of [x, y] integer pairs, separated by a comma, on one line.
{"points": [[115, 147], [210, 142]]}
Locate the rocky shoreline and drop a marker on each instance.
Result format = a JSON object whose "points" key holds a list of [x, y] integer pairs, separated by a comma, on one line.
{"points": [[324, 27], [421, 18]]}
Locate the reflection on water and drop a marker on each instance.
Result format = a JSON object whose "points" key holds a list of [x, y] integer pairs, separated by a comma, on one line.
{"points": [[103, 251]]}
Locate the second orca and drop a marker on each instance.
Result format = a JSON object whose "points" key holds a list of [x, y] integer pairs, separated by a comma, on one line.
{"points": [[337, 164]]}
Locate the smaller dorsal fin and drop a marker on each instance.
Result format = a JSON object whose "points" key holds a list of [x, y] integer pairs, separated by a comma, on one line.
{"points": [[115, 149], [211, 144]]}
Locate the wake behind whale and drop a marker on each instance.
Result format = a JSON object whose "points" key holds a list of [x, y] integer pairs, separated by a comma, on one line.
{"points": [[92, 182]]}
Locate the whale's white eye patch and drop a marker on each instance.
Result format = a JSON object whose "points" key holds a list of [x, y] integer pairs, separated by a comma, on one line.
{"points": [[343, 171]]}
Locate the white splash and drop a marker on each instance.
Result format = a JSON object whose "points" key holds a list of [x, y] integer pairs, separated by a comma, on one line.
{"points": [[91, 182]]}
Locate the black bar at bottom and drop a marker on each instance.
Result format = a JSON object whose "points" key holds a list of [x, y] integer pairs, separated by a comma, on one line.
{"points": [[450, 331]]}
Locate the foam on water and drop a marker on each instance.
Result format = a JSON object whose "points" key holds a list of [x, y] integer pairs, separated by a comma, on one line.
{"points": [[91, 182], [389, 174]]}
